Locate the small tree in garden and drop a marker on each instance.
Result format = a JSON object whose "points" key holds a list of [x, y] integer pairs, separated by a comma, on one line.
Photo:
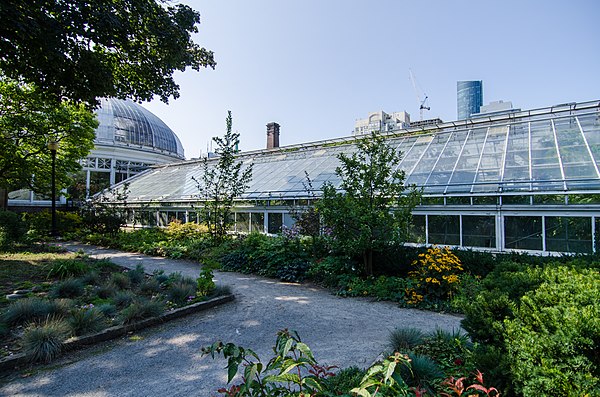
{"points": [[372, 207], [221, 182]]}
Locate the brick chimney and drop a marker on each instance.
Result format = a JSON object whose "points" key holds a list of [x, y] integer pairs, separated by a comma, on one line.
{"points": [[272, 135]]}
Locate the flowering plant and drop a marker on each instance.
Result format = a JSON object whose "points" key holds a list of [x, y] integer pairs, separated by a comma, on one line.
{"points": [[436, 273]]}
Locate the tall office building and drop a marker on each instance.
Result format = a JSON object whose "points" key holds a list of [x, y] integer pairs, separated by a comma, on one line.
{"points": [[469, 98]]}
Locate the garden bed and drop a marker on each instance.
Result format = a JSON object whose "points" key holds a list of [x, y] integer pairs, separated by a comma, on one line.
{"points": [[51, 302]]}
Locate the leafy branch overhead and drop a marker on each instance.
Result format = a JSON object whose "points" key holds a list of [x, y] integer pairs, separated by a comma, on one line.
{"points": [[82, 50]]}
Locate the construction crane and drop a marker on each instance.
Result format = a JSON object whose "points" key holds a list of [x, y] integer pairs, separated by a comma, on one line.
{"points": [[420, 102]]}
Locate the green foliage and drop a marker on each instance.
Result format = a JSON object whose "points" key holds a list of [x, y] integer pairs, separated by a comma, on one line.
{"points": [[277, 257], [360, 216], [123, 299], [30, 310], [136, 276], [69, 288], [204, 283], [28, 121], [484, 317], [405, 339], [44, 341], [140, 310], [150, 286], [82, 51], [343, 381], [293, 371], [107, 309], [451, 350], [40, 223], [67, 268], [223, 179], [105, 291], [554, 337], [327, 271], [423, 372], [86, 320], [120, 280], [12, 229], [176, 230], [90, 278], [180, 291]]}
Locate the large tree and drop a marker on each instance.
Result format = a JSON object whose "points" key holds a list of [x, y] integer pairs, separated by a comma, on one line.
{"points": [[82, 50], [372, 208], [28, 121]]}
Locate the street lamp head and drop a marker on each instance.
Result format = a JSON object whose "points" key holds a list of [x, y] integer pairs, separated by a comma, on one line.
{"points": [[53, 145]]}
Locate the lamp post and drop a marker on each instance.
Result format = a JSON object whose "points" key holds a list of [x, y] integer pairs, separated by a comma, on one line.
{"points": [[53, 146]]}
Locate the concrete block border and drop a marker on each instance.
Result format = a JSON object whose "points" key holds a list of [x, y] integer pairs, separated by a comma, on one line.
{"points": [[78, 342]]}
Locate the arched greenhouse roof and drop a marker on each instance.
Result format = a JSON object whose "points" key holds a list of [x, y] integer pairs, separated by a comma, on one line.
{"points": [[545, 151]]}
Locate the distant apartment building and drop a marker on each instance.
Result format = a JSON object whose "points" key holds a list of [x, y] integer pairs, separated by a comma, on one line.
{"points": [[469, 95], [382, 121]]}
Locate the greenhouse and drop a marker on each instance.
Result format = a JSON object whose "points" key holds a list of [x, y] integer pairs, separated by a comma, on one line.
{"points": [[525, 181]]}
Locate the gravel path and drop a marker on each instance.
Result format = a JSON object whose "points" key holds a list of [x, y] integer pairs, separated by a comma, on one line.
{"points": [[166, 360]]}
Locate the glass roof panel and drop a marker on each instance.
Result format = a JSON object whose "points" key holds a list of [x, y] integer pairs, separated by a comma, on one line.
{"points": [[490, 163], [464, 172]]}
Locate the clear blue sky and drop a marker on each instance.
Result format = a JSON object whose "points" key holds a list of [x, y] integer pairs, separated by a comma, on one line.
{"points": [[315, 66]]}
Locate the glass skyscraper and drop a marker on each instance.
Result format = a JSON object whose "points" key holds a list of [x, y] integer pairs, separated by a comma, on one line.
{"points": [[469, 98]]}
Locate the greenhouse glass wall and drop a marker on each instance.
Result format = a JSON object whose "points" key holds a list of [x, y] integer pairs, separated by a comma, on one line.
{"points": [[527, 181]]}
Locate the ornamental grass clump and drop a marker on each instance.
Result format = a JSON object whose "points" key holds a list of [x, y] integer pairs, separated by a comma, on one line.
{"points": [[69, 288], [30, 310], [44, 342], [405, 339], [86, 320], [436, 273], [140, 310]]}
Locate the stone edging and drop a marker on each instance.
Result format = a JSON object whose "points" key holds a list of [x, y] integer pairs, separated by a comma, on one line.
{"points": [[10, 363]]}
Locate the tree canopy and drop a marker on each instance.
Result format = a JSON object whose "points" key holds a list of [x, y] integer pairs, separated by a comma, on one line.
{"points": [[372, 208], [28, 120], [83, 50]]}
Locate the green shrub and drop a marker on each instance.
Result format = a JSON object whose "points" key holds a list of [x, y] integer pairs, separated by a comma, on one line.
{"points": [[40, 223], [44, 341], [293, 270], [177, 230], [344, 380], [86, 320], [451, 350], [204, 283], [327, 271], [102, 222], [484, 317], [554, 338], [405, 339], [120, 280], [30, 310], [140, 310], [66, 268], [12, 229], [69, 288]]}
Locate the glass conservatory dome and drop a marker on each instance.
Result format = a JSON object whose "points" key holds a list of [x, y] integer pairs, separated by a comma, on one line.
{"points": [[126, 123]]}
